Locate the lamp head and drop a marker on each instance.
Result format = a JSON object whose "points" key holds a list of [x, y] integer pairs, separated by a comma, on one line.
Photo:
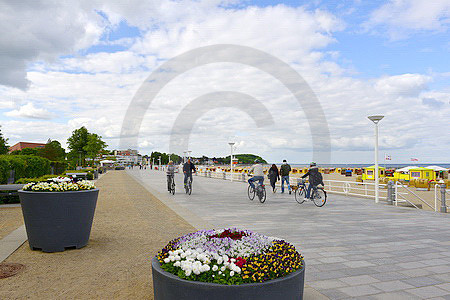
{"points": [[375, 119]]}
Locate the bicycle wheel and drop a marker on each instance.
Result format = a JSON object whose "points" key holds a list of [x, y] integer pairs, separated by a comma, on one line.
{"points": [[319, 197], [299, 195], [251, 192], [262, 194], [173, 187]]}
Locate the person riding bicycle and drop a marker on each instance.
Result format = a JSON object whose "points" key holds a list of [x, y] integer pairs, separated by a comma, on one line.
{"points": [[258, 174], [170, 174], [315, 178], [188, 167]]}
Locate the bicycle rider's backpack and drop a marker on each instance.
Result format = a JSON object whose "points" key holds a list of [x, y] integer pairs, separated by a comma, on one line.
{"points": [[316, 178]]}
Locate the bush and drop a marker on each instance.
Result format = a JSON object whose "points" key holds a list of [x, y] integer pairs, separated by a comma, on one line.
{"points": [[23, 165], [58, 166], [10, 199], [35, 179]]}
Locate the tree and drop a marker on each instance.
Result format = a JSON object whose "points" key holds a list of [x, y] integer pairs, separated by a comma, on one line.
{"points": [[94, 146], [53, 151], [3, 144], [82, 143]]}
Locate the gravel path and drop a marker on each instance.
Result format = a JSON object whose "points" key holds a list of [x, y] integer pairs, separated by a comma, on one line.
{"points": [[130, 226]]}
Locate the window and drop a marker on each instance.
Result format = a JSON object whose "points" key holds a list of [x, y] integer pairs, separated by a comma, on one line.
{"points": [[415, 174]]}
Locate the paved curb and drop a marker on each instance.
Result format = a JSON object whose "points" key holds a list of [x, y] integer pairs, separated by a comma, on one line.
{"points": [[12, 242]]}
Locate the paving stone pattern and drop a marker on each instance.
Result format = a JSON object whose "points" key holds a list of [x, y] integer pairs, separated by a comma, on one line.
{"points": [[352, 247]]}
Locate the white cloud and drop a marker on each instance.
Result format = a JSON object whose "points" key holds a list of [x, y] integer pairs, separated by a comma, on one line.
{"points": [[402, 85], [399, 18], [31, 112]]}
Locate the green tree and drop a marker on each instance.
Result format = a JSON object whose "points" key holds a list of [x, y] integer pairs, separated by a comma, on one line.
{"points": [[3, 144], [94, 145], [82, 143], [53, 151]]}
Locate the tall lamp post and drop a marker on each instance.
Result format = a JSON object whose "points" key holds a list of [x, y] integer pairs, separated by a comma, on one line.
{"points": [[375, 120], [159, 163], [231, 159]]}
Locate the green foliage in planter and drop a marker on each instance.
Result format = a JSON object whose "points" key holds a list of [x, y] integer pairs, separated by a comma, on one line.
{"points": [[35, 179]]}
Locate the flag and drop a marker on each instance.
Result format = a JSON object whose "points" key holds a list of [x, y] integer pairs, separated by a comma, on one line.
{"points": [[387, 157], [414, 159]]}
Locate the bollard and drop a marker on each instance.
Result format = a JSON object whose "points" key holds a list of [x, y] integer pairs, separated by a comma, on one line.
{"points": [[224, 175], [443, 205], [390, 193]]}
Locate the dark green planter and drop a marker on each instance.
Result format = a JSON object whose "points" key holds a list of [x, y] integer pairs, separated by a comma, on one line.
{"points": [[167, 286], [56, 221]]}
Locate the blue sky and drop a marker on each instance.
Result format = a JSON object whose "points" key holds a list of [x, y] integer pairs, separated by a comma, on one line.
{"points": [[359, 57]]}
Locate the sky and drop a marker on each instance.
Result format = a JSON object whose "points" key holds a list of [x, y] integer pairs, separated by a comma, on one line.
{"points": [[67, 64]]}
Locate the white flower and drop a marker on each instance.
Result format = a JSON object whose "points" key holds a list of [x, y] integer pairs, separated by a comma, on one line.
{"points": [[220, 272], [171, 257], [232, 273], [166, 260], [188, 272], [206, 268], [222, 268], [215, 268], [220, 261], [177, 264], [177, 257]]}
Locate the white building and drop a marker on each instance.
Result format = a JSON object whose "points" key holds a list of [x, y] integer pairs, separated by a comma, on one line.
{"points": [[128, 157]]}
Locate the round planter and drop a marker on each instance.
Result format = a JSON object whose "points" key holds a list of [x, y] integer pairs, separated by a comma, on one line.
{"points": [[56, 221], [167, 286]]}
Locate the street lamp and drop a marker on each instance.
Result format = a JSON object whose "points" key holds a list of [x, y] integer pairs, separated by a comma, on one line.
{"points": [[375, 120], [159, 163], [153, 164], [231, 158]]}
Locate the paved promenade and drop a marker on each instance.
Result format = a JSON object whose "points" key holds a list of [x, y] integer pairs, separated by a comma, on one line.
{"points": [[352, 247]]}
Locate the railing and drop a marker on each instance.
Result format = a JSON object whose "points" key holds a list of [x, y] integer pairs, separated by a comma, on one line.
{"points": [[350, 188], [437, 199], [400, 198]]}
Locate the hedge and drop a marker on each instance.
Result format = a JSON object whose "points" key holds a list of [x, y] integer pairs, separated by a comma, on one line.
{"points": [[24, 166]]}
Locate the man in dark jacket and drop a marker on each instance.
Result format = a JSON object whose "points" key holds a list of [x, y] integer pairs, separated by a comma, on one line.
{"points": [[188, 168], [285, 169], [315, 178]]}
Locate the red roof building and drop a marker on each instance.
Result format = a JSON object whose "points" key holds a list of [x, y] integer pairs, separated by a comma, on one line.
{"points": [[23, 145]]}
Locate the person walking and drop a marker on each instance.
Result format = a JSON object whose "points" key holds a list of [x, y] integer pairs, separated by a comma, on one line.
{"points": [[274, 176], [284, 172]]}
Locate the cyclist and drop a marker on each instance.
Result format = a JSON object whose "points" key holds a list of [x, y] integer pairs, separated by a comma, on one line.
{"points": [[188, 167], [258, 174], [315, 178], [170, 174]]}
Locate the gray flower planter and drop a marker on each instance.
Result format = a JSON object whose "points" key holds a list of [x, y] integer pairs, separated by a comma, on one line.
{"points": [[167, 286], [56, 221]]}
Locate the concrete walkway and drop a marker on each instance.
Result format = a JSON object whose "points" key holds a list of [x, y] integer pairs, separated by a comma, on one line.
{"points": [[352, 247]]}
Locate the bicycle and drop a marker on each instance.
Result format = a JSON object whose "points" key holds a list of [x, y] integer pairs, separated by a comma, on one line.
{"points": [[260, 191], [171, 184], [188, 185], [318, 194]]}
